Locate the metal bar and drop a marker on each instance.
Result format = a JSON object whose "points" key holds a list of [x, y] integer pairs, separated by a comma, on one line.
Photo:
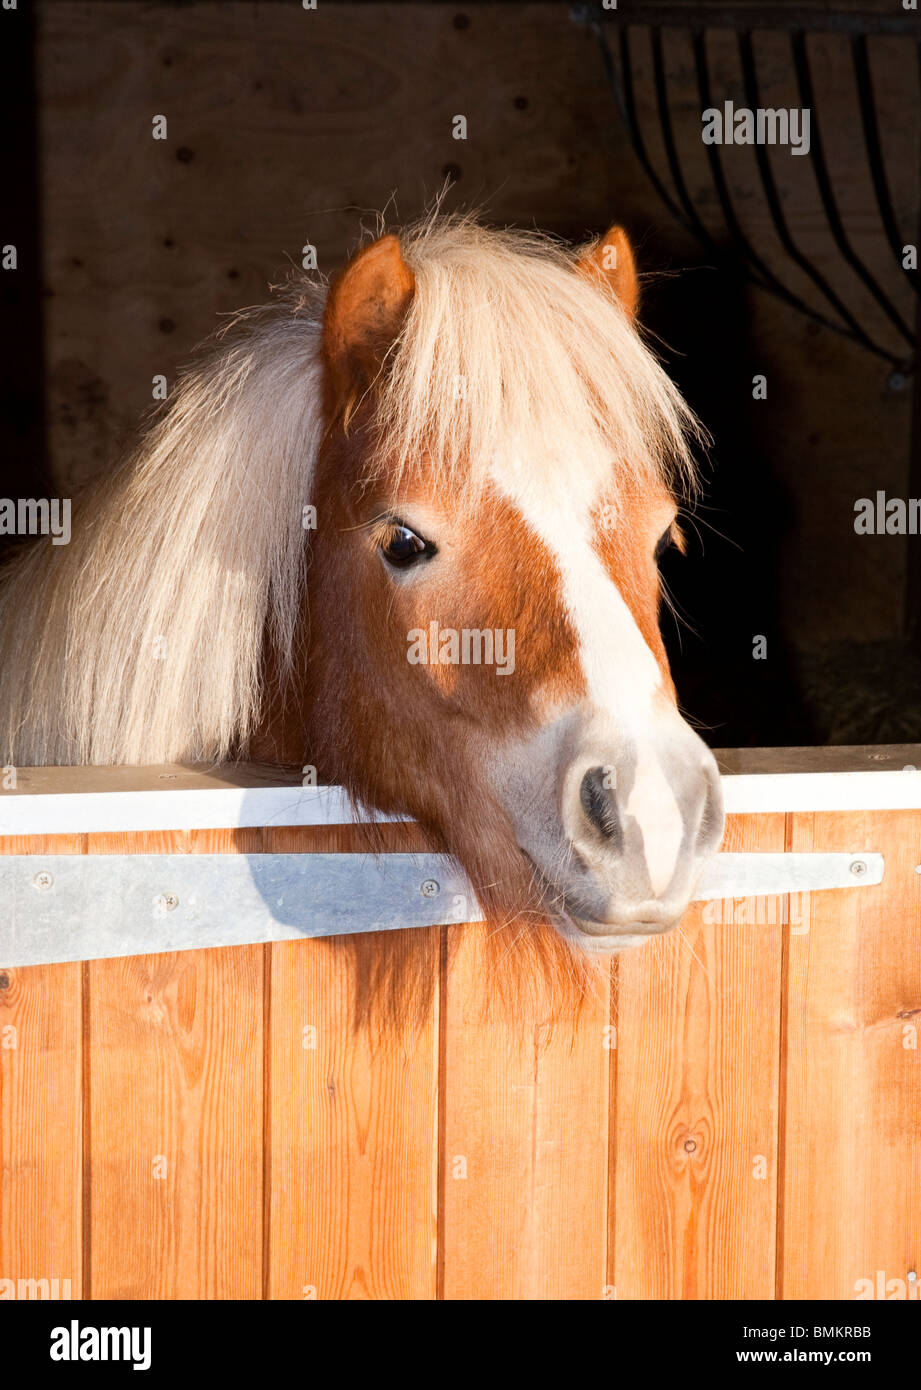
{"points": [[87, 907], [753, 96], [684, 212], [773, 875], [773, 16], [671, 149], [622, 90], [872, 141], [820, 169], [763, 274]]}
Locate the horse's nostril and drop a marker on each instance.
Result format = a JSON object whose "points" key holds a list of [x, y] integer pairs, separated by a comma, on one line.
{"points": [[600, 805]]}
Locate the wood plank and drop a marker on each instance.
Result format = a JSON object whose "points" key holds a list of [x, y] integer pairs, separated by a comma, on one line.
{"points": [[156, 777], [891, 757], [175, 1142], [525, 1099], [41, 1157], [127, 800], [353, 1105], [852, 1166], [695, 1093], [170, 777]]}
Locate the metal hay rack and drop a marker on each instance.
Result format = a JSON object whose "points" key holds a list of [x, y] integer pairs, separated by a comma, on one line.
{"points": [[620, 32]]}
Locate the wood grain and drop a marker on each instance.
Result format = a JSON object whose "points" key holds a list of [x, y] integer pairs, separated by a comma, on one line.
{"points": [[852, 1166], [353, 1107], [695, 1097], [525, 1136], [755, 1129], [41, 1128], [175, 1142]]}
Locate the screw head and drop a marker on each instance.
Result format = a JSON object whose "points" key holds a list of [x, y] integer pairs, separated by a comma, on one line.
{"points": [[430, 888], [42, 881], [897, 381], [858, 867], [167, 902]]}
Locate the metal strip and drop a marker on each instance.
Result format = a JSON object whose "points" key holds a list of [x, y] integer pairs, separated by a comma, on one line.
{"points": [[773, 875], [85, 907], [671, 149], [800, 49], [776, 15], [753, 97], [871, 136], [624, 96], [758, 271], [69, 907]]}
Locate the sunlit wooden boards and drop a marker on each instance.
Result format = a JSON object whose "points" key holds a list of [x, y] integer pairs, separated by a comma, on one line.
{"points": [[736, 1115], [41, 1120], [851, 1213], [693, 1159]]}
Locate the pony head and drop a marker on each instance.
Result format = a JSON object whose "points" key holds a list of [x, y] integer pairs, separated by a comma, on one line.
{"points": [[469, 633], [497, 481]]}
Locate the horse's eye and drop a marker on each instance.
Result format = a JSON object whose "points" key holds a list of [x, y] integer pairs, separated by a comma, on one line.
{"points": [[401, 546], [663, 543]]}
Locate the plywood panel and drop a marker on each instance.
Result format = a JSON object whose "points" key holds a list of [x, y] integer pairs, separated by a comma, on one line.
{"points": [[175, 1141], [353, 1110], [525, 1135], [41, 1159], [693, 1147], [852, 1167], [284, 127]]}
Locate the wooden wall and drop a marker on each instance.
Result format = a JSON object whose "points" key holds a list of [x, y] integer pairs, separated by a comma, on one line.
{"points": [[737, 1116], [285, 127]]}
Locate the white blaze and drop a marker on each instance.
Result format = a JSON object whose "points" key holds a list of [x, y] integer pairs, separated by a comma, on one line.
{"points": [[621, 674], [653, 805]]}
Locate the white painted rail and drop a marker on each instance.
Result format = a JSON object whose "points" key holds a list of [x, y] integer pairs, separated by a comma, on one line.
{"points": [[64, 801]]}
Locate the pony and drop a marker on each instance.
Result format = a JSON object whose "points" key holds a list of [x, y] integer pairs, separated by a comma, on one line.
{"points": [[403, 528]]}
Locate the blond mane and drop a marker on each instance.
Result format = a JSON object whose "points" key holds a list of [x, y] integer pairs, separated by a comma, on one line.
{"points": [[505, 347], [143, 640]]}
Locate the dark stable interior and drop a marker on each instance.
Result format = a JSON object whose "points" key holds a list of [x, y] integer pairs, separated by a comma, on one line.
{"points": [[795, 629]]}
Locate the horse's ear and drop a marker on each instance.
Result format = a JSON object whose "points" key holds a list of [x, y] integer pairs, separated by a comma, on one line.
{"points": [[365, 308], [610, 258]]}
